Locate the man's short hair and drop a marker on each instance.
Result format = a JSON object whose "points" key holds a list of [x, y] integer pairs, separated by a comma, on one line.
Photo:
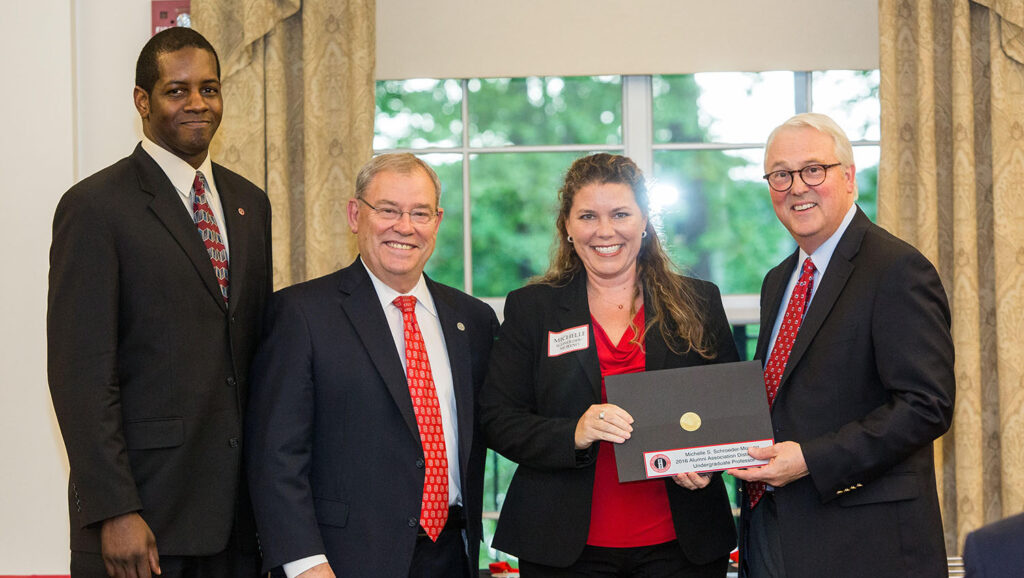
{"points": [[401, 163], [825, 125], [147, 70]]}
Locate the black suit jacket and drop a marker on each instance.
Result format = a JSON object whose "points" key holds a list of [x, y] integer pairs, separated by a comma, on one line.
{"points": [[530, 406], [996, 550], [147, 366], [335, 460], [868, 386]]}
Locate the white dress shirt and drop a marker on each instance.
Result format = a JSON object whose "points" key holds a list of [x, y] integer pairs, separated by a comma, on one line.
{"points": [[820, 257], [182, 175], [440, 368]]}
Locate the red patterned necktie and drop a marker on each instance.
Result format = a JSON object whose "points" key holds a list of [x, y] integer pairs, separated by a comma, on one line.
{"points": [[210, 233], [434, 512], [780, 352]]}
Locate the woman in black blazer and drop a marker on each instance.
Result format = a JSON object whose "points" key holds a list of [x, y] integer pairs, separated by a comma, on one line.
{"points": [[609, 303]]}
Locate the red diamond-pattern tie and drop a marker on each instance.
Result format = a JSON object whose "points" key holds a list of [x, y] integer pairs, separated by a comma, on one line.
{"points": [[780, 353], [434, 512], [210, 233]]}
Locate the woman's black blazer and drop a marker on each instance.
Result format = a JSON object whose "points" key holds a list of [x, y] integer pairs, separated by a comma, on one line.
{"points": [[530, 404]]}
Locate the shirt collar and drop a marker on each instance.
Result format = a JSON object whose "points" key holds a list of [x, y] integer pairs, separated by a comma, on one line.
{"points": [[823, 254], [180, 173], [387, 295]]}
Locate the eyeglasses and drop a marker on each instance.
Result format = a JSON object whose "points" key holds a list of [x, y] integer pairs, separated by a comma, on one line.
{"points": [[417, 216], [811, 175]]}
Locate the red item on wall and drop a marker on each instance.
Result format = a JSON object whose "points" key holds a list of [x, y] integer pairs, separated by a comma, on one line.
{"points": [[170, 13]]}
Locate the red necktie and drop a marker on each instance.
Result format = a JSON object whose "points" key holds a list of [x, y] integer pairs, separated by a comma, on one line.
{"points": [[783, 346], [434, 512], [210, 233]]}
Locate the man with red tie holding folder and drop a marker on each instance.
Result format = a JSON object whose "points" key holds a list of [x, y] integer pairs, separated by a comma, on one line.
{"points": [[858, 376], [364, 452]]}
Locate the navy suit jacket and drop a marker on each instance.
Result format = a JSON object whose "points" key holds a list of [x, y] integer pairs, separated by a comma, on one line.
{"points": [[996, 550], [334, 454], [868, 387], [531, 404], [147, 365]]}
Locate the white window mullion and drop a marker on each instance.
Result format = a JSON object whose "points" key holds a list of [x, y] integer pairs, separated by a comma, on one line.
{"points": [[802, 91], [467, 216], [637, 134]]}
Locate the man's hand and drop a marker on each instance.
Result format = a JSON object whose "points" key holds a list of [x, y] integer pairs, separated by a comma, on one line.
{"points": [[129, 547], [786, 465], [318, 571]]}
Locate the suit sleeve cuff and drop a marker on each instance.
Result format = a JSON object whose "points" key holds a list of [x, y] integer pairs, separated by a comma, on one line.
{"points": [[293, 569]]}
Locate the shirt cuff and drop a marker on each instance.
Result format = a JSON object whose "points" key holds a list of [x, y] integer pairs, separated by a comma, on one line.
{"points": [[293, 569]]}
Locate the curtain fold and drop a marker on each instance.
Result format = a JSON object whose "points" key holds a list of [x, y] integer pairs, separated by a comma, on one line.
{"points": [[950, 176], [298, 86]]}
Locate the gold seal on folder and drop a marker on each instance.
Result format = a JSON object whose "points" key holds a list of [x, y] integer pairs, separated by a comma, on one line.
{"points": [[690, 421]]}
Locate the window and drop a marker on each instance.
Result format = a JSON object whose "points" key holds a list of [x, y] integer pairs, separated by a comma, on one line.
{"points": [[502, 145]]}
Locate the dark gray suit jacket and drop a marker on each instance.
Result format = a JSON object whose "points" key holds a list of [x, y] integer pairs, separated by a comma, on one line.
{"points": [[868, 386], [147, 365], [334, 453]]}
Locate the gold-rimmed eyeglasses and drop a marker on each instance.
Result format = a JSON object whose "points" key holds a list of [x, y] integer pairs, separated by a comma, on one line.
{"points": [[417, 216], [811, 175]]}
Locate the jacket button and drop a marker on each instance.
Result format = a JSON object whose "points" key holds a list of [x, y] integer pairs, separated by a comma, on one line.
{"points": [[413, 522], [233, 442], [230, 381], [419, 463]]}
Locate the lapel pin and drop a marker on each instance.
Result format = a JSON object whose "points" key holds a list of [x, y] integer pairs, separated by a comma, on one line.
{"points": [[460, 326], [241, 211]]}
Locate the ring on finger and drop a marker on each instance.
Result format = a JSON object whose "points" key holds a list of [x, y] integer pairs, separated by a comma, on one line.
{"points": [[600, 416]]}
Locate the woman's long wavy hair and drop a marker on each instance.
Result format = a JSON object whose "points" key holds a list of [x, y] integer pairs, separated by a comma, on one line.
{"points": [[674, 306]]}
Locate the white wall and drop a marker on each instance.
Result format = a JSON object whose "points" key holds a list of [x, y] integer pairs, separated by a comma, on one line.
{"points": [[67, 112], [36, 165], [69, 70], [110, 34]]}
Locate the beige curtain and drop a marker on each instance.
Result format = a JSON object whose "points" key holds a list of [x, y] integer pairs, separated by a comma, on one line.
{"points": [[298, 85], [951, 181]]}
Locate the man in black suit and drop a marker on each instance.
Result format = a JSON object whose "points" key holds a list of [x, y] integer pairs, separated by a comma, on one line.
{"points": [[160, 268], [864, 381], [996, 550], [345, 453]]}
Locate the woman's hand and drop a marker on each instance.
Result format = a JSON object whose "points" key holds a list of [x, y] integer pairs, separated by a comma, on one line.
{"points": [[692, 480], [604, 422]]}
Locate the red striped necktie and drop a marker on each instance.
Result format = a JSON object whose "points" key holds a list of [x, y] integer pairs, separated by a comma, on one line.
{"points": [[210, 233], [780, 352]]}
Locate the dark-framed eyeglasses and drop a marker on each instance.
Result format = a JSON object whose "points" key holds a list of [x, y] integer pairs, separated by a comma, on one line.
{"points": [[811, 175], [417, 216]]}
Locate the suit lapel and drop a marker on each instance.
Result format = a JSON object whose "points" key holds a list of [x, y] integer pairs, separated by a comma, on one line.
{"points": [[167, 206], [772, 295], [362, 306], [655, 348], [457, 343], [235, 230], [840, 266], [573, 311]]}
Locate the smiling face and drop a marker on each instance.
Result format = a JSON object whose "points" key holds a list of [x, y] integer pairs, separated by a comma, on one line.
{"points": [[811, 214], [184, 109], [606, 225], [395, 251]]}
